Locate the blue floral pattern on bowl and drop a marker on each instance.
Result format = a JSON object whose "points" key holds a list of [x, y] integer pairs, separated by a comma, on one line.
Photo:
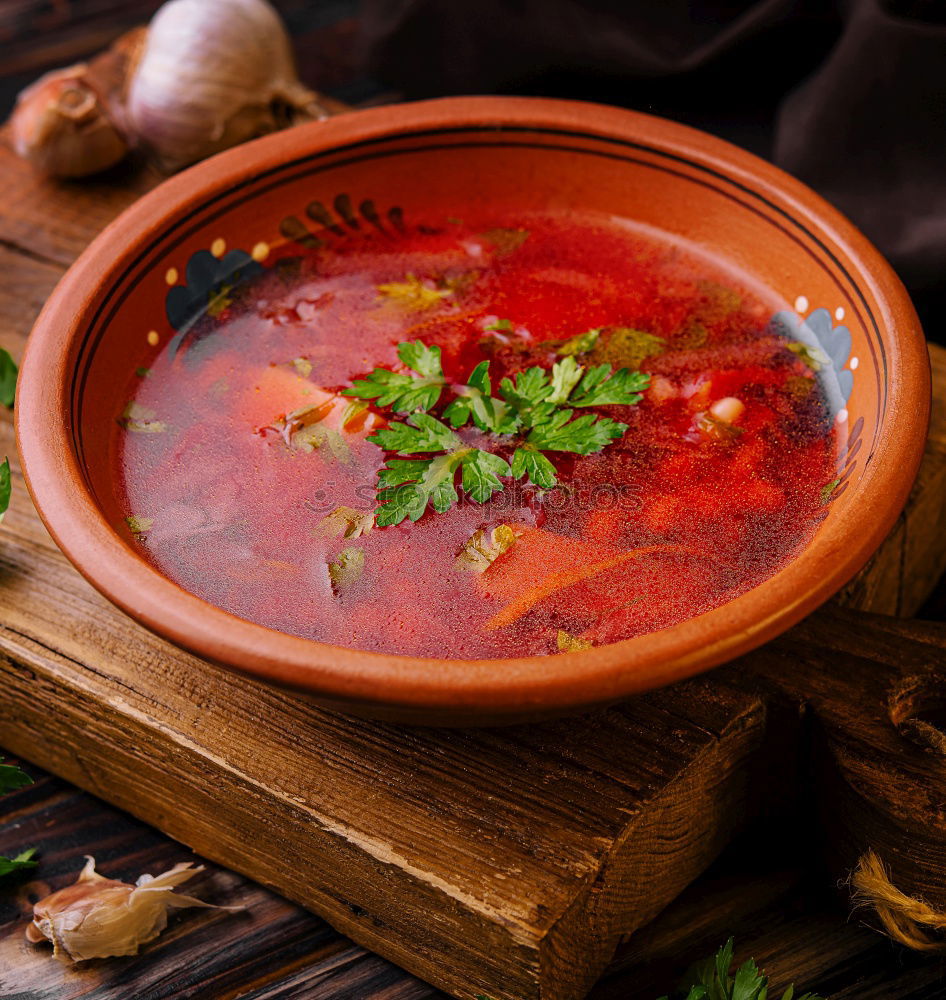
{"points": [[828, 349]]}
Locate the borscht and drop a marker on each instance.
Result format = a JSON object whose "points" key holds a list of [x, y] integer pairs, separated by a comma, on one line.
{"points": [[476, 437]]}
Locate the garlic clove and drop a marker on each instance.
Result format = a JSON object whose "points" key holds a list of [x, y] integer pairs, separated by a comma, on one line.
{"points": [[61, 126], [212, 74], [98, 917]]}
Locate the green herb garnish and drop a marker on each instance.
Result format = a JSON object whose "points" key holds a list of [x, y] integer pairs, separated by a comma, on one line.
{"points": [[710, 980], [5, 489], [402, 392], [535, 411], [22, 861], [8, 373], [12, 778]]}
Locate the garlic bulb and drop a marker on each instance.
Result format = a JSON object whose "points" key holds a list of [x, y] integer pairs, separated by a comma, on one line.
{"points": [[213, 73], [61, 125], [99, 917]]}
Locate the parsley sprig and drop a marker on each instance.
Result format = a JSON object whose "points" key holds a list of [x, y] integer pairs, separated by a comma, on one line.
{"points": [[535, 408], [405, 393], [12, 778], [710, 980], [8, 375]]}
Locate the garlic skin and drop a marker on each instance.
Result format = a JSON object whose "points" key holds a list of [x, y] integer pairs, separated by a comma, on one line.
{"points": [[60, 124], [99, 917], [213, 73]]}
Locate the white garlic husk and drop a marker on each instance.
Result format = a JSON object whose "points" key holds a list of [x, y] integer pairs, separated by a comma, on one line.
{"points": [[213, 73], [62, 125], [99, 917]]}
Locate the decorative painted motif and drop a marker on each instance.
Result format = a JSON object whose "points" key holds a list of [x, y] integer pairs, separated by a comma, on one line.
{"points": [[209, 281], [825, 347], [212, 276]]}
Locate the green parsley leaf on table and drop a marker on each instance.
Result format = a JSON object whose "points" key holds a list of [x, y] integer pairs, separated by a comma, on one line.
{"points": [[405, 393], [5, 488], [710, 980], [21, 862], [8, 373], [12, 778]]}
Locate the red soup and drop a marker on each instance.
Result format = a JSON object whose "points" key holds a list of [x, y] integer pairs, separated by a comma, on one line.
{"points": [[641, 447]]}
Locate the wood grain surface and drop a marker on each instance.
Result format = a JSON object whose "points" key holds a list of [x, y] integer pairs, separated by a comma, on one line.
{"points": [[508, 862], [274, 950]]}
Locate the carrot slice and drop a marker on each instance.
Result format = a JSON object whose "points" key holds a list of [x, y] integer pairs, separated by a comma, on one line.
{"points": [[527, 600]]}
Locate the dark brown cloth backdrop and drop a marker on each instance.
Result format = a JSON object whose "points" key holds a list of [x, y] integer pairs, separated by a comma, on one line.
{"points": [[848, 96]]}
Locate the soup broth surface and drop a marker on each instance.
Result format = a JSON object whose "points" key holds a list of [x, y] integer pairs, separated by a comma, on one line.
{"points": [[247, 476]]}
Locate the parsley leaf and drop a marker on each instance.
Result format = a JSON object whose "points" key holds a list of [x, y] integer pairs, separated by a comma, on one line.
{"points": [[22, 861], [535, 403], [584, 435], [5, 487], [600, 387], [407, 486], [427, 434], [481, 472], [423, 359], [566, 375], [402, 392], [527, 463], [8, 373], [527, 393], [12, 778], [474, 400], [710, 980]]}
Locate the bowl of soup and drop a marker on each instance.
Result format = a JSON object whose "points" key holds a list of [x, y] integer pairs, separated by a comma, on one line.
{"points": [[476, 409]]}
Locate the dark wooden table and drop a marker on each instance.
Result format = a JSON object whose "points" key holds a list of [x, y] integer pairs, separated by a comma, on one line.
{"points": [[784, 915]]}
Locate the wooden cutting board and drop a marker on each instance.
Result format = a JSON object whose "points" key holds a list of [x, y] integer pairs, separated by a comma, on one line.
{"points": [[500, 862]]}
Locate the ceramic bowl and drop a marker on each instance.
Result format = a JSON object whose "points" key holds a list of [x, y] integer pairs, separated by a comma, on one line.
{"points": [[114, 310]]}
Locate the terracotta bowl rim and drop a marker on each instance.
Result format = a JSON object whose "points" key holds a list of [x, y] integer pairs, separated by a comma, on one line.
{"points": [[496, 686]]}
